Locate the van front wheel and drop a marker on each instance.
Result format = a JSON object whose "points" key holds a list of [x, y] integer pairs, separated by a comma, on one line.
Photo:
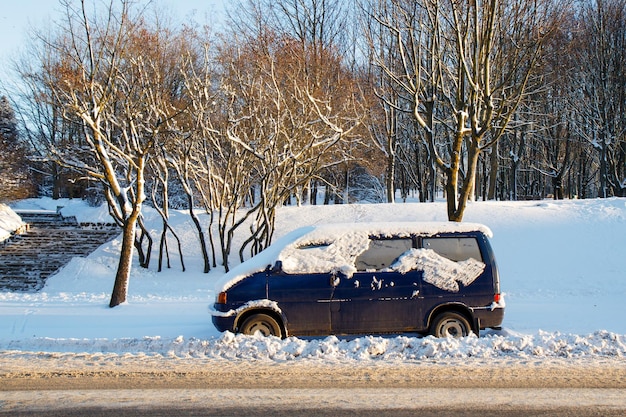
{"points": [[262, 323], [450, 324]]}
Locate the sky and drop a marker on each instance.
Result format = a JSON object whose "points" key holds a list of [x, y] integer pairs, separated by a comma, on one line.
{"points": [[18, 18]]}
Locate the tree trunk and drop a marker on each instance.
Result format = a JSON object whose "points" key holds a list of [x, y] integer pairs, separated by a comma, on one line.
{"points": [[391, 178], [452, 180], [603, 168], [313, 200], [493, 172], [433, 181], [460, 199], [557, 187], [120, 288], [452, 192], [203, 245], [513, 179], [485, 179], [56, 182], [346, 190]]}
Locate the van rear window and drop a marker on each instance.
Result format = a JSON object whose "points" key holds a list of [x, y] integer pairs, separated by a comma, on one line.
{"points": [[454, 248], [382, 253]]}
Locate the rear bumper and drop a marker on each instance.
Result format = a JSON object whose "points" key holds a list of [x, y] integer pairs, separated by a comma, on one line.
{"points": [[489, 318]]}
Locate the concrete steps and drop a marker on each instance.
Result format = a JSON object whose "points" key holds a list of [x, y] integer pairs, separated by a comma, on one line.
{"points": [[50, 242]]}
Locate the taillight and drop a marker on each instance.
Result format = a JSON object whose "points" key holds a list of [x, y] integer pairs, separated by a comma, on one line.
{"points": [[221, 298], [496, 297]]}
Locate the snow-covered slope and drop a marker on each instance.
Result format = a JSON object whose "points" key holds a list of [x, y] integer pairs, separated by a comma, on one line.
{"points": [[561, 265]]}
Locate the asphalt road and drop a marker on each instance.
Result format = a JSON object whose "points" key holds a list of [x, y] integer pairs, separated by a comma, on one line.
{"points": [[306, 402], [51, 387]]}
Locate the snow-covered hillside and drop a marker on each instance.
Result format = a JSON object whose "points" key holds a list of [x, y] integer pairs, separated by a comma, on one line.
{"points": [[561, 265]]}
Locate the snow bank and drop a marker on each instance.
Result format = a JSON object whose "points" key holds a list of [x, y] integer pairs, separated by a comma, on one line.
{"points": [[10, 222], [388, 350], [406, 348]]}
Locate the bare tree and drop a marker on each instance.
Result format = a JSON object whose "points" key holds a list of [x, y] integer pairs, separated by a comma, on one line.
{"points": [[385, 121], [314, 27], [44, 126], [268, 128], [160, 202], [105, 71], [602, 78], [15, 180], [464, 68]]}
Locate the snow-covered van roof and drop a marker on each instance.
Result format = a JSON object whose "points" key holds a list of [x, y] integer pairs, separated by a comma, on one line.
{"points": [[334, 245], [333, 231]]}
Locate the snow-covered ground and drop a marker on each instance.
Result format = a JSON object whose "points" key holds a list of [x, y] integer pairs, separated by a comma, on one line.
{"points": [[561, 266], [9, 222]]}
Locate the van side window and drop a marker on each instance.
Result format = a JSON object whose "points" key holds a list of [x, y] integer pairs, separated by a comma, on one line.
{"points": [[454, 248], [382, 253]]}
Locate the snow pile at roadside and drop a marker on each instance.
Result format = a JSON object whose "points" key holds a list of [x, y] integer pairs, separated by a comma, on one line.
{"points": [[388, 349], [10, 222], [406, 348]]}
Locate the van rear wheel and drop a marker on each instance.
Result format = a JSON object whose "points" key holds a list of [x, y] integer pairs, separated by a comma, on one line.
{"points": [[262, 323], [450, 324]]}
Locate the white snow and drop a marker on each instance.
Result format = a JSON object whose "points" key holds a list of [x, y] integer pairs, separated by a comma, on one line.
{"points": [[309, 254], [439, 271], [10, 222], [561, 267]]}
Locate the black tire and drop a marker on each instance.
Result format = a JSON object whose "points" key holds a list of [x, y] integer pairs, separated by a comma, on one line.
{"points": [[450, 324], [267, 325]]}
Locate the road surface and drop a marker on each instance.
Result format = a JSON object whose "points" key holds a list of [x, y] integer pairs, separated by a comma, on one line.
{"points": [[56, 386]]}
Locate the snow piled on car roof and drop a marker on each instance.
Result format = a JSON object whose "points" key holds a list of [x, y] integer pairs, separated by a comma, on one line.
{"points": [[334, 247]]}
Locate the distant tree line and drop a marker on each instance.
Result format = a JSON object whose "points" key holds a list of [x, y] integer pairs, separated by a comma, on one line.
{"points": [[15, 177], [365, 99]]}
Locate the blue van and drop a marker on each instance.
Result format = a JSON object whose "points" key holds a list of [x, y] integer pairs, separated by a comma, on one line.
{"points": [[364, 278]]}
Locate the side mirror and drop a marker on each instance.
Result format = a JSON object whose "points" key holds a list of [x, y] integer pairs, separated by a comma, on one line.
{"points": [[278, 266]]}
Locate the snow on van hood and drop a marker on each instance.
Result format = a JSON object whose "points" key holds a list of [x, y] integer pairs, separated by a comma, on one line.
{"points": [[334, 247]]}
